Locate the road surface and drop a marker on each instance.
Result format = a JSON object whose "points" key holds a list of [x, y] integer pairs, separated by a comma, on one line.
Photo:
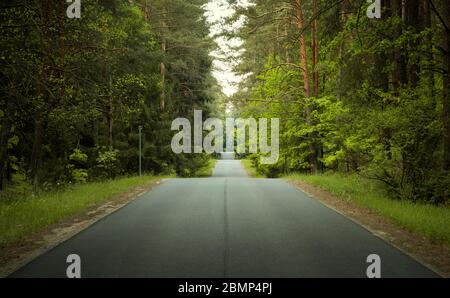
{"points": [[227, 225]]}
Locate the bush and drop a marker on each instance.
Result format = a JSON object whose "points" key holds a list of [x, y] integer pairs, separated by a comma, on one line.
{"points": [[78, 160], [270, 170], [108, 163]]}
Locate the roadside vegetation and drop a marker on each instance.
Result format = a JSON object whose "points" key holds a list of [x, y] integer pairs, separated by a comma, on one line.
{"points": [[27, 213], [79, 98], [207, 170], [353, 94], [252, 172]]}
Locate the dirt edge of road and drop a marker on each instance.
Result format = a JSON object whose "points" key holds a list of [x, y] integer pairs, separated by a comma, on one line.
{"points": [[17, 255], [433, 255]]}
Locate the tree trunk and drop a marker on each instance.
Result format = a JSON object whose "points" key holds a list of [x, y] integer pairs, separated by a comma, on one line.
{"points": [[95, 124], [315, 52], [429, 74], [4, 137], [162, 103], [110, 115], [446, 91], [288, 60], [301, 41], [316, 148], [399, 76], [146, 10], [306, 83], [36, 153], [382, 82], [412, 10]]}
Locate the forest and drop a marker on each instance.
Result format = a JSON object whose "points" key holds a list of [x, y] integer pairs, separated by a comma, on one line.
{"points": [[75, 91], [368, 96], [354, 94]]}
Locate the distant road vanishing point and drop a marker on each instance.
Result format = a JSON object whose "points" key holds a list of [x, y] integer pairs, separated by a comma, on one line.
{"points": [[227, 225]]}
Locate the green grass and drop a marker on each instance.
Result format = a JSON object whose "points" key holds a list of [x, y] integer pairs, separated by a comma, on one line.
{"points": [[247, 163], [207, 170], [28, 214], [427, 220]]}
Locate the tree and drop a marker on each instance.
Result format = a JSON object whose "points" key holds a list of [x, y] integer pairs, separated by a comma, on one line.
{"points": [[376, 112], [87, 85]]}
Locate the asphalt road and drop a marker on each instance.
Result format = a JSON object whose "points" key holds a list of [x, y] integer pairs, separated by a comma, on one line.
{"points": [[225, 226]]}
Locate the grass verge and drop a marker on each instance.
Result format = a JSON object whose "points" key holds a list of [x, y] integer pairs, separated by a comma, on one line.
{"points": [[427, 220], [29, 214], [252, 172], [207, 170]]}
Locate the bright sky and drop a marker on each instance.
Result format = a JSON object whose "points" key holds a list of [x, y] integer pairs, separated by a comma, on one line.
{"points": [[227, 56]]}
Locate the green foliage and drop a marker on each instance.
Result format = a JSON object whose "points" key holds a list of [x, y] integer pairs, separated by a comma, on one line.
{"points": [[78, 157], [206, 170], [250, 167], [79, 175], [196, 165], [379, 110], [90, 84], [78, 160], [108, 163]]}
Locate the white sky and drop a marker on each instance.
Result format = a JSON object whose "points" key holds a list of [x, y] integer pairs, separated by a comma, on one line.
{"points": [[226, 57]]}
